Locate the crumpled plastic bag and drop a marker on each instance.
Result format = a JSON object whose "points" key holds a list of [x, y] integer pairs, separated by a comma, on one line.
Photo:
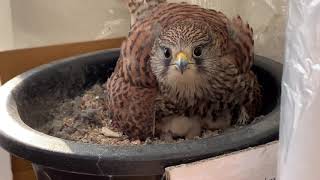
{"points": [[300, 124]]}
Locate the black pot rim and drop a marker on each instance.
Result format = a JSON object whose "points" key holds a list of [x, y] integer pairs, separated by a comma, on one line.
{"points": [[21, 140]]}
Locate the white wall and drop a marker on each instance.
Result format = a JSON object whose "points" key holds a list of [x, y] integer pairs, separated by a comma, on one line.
{"points": [[6, 42], [5, 165], [6, 36], [44, 22]]}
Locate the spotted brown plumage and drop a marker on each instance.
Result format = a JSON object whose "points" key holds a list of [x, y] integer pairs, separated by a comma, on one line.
{"points": [[182, 60]]}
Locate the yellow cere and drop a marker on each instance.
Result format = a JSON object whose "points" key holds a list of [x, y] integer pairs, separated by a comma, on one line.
{"points": [[182, 56]]}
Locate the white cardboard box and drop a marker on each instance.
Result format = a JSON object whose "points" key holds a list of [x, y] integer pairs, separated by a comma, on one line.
{"points": [[258, 163]]}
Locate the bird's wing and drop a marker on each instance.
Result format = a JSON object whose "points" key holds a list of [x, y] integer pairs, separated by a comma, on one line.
{"points": [[131, 107], [132, 88], [242, 43], [241, 35]]}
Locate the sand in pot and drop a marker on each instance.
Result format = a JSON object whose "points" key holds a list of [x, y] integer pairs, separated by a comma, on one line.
{"points": [[84, 119]]}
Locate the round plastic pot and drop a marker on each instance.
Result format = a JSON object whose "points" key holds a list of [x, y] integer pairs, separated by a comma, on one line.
{"points": [[26, 99]]}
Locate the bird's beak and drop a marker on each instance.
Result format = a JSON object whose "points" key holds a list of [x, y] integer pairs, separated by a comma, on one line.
{"points": [[181, 62]]}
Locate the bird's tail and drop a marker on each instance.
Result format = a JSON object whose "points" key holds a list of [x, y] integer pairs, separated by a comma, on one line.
{"points": [[141, 8]]}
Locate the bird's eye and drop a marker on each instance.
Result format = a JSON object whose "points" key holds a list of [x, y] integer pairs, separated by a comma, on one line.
{"points": [[197, 52], [167, 52]]}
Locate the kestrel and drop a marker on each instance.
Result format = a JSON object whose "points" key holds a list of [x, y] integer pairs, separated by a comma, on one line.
{"points": [[182, 65]]}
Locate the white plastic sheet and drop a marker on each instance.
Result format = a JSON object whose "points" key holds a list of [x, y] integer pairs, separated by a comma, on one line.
{"points": [[300, 124]]}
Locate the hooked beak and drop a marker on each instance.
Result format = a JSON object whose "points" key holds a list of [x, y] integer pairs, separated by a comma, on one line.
{"points": [[181, 62]]}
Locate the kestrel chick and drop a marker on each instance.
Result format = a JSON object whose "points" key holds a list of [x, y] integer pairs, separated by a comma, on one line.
{"points": [[183, 60]]}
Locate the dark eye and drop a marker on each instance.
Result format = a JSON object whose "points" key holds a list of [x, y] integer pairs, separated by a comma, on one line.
{"points": [[197, 52], [166, 52]]}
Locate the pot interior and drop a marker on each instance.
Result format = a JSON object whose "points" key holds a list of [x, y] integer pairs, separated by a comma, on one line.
{"points": [[45, 87]]}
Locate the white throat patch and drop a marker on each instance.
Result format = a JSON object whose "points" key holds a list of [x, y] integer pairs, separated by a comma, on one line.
{"points": [[186, 85]]}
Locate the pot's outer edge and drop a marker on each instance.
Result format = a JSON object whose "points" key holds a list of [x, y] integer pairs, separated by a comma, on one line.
{"points": [[21, 140]]}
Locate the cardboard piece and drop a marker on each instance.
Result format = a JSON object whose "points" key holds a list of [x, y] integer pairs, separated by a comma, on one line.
{"points": [[15, 62], [259, 163]]}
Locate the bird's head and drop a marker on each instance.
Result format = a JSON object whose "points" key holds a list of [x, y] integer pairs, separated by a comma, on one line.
{"points": [[185, 54]]}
